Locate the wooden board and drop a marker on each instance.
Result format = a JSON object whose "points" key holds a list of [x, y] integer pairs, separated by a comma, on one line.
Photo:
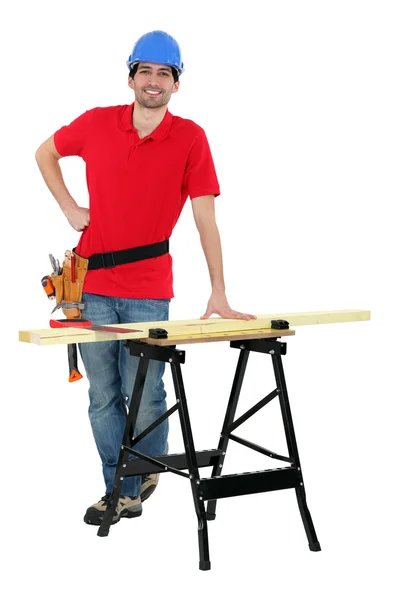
{"points": [[186, 328]]}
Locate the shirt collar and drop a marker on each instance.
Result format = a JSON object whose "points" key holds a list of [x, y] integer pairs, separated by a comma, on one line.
{"points": [[159, 133]]}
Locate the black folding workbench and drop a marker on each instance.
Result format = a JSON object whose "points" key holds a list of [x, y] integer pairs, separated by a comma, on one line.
{"points": [[209, 489]]}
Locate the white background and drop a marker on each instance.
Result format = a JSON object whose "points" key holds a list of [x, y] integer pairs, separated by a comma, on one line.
{"points": [[300, 101]]}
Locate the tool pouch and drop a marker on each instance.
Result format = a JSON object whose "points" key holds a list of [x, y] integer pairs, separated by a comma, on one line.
{"points": [[58, 283], [72, 291]]}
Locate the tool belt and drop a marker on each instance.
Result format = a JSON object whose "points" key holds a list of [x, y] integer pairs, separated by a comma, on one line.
{"points": [[68, 291], [122, 257]]}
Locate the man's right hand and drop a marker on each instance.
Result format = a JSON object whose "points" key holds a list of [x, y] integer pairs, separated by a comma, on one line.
{"points": [[78, 217]]}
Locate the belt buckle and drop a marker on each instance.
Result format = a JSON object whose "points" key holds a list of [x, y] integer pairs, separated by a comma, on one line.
{"points": [[106, 263]]}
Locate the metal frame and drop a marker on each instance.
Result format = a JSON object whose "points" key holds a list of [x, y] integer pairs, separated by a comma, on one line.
{"points": [[217, 486]]}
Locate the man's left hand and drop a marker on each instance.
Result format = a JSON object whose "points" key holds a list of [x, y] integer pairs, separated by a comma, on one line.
{"points": [[218, 304]]}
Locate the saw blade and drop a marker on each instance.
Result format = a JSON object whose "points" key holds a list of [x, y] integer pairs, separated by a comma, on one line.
{"points": [[113, 329]]}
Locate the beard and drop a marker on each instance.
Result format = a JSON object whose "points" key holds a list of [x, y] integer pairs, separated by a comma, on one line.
{"points": [[153, 102]]}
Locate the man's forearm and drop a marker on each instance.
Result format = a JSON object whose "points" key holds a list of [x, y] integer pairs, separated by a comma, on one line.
{"points": [[51, 173], [211, 243]]}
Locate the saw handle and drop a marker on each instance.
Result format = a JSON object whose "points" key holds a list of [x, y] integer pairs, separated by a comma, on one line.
{"points": [[74, 374], [55, 323]]}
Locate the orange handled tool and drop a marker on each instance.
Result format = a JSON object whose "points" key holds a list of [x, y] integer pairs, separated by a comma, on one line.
{"points": [[48, 287], [74, 374]]}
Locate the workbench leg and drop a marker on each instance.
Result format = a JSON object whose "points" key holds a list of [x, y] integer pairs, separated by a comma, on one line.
{"points": [[229, 417], [205, 563], [126, 441], [313, 542]]}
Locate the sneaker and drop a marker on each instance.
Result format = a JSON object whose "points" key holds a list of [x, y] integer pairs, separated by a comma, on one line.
{"points": [[149, 484], [128, 506]]}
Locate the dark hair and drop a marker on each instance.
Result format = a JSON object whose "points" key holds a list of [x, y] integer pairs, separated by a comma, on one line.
{"points": [[135, 67]]}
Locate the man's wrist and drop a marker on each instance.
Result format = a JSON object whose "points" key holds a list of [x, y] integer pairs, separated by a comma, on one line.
{"points": [[67, 205]]}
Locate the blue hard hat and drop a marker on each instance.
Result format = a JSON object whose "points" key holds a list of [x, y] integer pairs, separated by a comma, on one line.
{"points": [[157, 47]]}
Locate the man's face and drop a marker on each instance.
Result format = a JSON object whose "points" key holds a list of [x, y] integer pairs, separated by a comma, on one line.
{"points": [[153, 85]]}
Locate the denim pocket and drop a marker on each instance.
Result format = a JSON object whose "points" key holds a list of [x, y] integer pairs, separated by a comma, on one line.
{"points": [[155, 309], [158, 302]]}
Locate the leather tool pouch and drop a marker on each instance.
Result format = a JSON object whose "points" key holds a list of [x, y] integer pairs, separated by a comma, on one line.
{"points": [[69, 291], [58, 283]]}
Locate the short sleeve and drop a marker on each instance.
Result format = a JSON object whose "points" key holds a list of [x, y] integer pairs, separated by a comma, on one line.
{"points": [[70, 139], [200, 178]]}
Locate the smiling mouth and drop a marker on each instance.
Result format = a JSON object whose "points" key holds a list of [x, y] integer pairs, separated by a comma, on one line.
{"points": [[153, 92]]}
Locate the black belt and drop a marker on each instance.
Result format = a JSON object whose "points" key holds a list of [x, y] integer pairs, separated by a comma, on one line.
{"points": [[122, 257]]}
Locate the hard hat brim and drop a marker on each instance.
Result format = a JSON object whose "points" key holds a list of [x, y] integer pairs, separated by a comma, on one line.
{"points": [[130, 63]]}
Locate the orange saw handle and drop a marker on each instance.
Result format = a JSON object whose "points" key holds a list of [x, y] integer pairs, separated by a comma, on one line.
{"points": [[74, 374]]}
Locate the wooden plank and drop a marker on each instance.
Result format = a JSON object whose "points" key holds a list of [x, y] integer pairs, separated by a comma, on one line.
{"points": [[187, 328]]}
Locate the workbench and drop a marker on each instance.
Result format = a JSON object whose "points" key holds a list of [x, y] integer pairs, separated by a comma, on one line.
{"points": [[247, 337]]}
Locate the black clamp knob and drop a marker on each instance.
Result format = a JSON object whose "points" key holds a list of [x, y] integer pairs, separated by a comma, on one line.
{"points": [[158, 333], [279, 324]]}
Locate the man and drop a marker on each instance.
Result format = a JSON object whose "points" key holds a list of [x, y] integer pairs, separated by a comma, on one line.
{"points": [[141, 165]]}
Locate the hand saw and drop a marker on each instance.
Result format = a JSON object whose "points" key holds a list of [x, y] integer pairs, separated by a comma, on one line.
{"points": [[74, 374], [85, 324]]}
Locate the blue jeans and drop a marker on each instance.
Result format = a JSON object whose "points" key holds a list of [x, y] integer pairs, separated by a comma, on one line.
{"points": [[111, 372]]}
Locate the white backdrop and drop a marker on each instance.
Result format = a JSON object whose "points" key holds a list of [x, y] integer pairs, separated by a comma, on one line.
{"points": [[300, 101]]}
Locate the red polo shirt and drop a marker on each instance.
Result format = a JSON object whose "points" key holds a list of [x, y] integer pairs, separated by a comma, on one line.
{"points": [[137, 189]]}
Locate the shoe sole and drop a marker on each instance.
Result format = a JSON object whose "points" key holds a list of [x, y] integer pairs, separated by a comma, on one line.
{"points": [[92, 516]]}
